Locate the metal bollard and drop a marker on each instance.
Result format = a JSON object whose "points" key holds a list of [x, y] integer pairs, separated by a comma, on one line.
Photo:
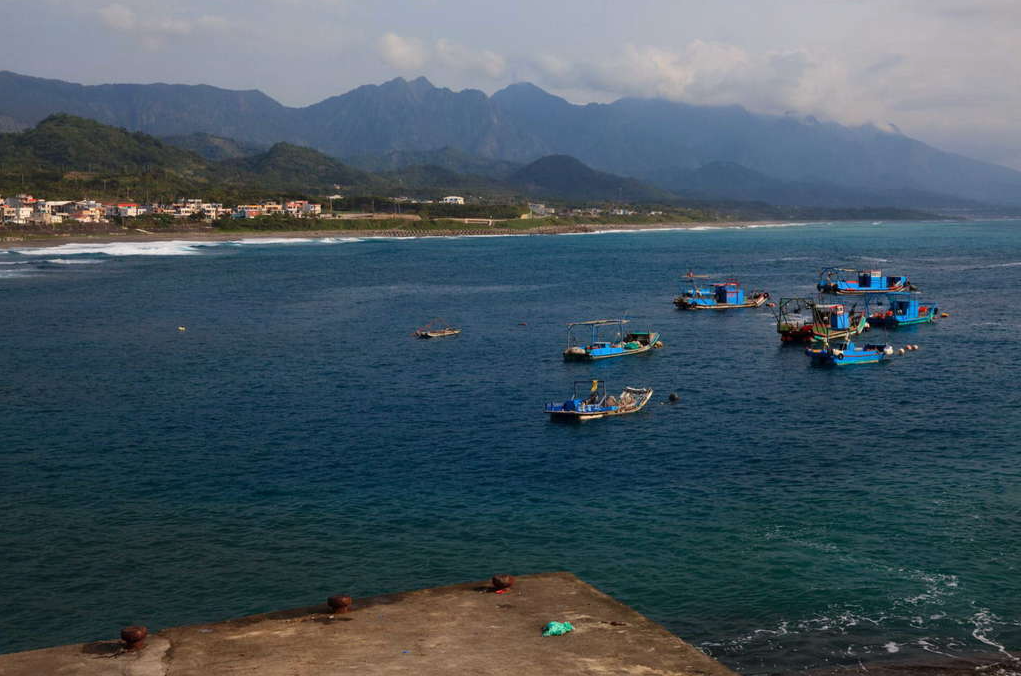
{"points": [[501, 582], [134, 637]]}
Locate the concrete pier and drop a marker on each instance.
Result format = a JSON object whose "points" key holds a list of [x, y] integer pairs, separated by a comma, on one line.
{"points": [[466, 629]]}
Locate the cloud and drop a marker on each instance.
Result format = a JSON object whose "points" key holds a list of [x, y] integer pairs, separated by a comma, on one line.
{"points": [[703, 72], [153, 30], [405, 54], [118, 17], [411, 55], [459, 57]]}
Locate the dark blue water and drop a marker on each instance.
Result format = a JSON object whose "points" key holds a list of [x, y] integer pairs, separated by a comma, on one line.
{"points": [[296, 442]]}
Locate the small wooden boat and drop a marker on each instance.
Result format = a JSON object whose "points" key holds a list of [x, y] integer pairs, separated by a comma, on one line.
{"points": [[726, 295], [596, 403], [904, 309], [848, 354], [437, 328], [848, 281], [828, 321], [632, 342]]}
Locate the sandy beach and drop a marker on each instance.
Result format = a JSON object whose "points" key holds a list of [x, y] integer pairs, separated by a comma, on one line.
{"points": [[9, 238]]}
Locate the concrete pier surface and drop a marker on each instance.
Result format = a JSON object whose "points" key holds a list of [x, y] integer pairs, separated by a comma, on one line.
{"points": [[461, 630]]}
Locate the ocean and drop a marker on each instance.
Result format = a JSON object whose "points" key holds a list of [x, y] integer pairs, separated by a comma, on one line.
{"points": [[294, 441]]}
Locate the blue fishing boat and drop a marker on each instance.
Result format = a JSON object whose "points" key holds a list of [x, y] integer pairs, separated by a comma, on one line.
{"points": [[725, 295], [828, 321], [848, 354], [848, 281], [595, 403], [622, 343], [904, 309]]}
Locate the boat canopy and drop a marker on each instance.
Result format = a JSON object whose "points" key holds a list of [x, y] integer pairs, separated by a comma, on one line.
{"points": [[599, 322]]}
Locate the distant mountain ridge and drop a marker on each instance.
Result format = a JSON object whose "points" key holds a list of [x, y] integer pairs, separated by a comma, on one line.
{"points": [[653, 140]]}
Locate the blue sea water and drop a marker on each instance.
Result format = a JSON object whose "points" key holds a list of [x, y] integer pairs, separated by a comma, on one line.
{"points": [[296, 442]]}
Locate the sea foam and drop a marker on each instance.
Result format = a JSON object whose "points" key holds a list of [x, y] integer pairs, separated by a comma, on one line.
{"points": [[162, 248]]}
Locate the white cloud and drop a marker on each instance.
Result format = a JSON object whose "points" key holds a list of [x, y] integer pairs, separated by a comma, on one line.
{"points": [[703, 72], [153, 30], [404, 54], [118, 17], [411, 56], [459, 57]]}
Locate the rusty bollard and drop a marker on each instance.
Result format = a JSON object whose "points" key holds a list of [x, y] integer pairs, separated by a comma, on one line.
{"points": [[502, 583], [134, 637], [339, 604]]}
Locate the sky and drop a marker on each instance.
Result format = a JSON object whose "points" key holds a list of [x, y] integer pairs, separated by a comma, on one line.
{"points": [[943, 71]]}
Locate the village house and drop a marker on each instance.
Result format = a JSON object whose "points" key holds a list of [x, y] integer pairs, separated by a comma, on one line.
{"points": [[247, 211], [302, 209], [453, 199]]}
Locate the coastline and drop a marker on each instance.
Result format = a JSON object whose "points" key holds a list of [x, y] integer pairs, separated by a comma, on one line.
{"points": [[13, 240]]}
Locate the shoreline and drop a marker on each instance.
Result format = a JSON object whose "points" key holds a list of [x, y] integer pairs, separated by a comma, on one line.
{"points": [[12, 240]]}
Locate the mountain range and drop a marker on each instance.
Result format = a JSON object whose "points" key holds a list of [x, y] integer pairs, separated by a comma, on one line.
{"points": [[696, 151]]}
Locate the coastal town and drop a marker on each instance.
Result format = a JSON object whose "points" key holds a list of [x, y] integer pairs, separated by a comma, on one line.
{"points": [[28, 210]]}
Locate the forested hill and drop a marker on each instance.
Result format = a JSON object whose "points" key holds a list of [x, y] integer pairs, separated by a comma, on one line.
{"points": [[64, 155]]}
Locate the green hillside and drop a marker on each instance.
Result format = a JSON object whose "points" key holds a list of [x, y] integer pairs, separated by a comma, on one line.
{"points": [[566, 177], [69, 143], [285, 165], [213, 148]]}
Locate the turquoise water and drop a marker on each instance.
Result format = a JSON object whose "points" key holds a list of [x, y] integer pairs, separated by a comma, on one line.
{"points": [[296, 442]]}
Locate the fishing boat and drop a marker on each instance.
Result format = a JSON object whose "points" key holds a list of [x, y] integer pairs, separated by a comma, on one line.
{"points": [[725, 295], [437, 328], [903, 309], [828, 321], [848, 281], [631, 342], [596, 403], [848, 353]]}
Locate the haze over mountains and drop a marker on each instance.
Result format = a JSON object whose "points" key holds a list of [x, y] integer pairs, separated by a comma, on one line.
{"points": [[698, 151]]}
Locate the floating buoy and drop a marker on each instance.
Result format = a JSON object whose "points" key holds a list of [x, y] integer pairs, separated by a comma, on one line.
{"points": [[182, 328], [673, 398], [900, 351], [944, 315], [915, 347], [770, 304]]}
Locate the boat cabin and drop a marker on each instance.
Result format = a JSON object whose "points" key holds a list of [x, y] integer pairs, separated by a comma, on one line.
{"points": [[904, 305], [835, 316], [874, 280], [850, 281], [729, 292]]}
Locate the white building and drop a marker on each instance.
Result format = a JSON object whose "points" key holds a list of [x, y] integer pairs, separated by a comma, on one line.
{"points": [[453, 199]]}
